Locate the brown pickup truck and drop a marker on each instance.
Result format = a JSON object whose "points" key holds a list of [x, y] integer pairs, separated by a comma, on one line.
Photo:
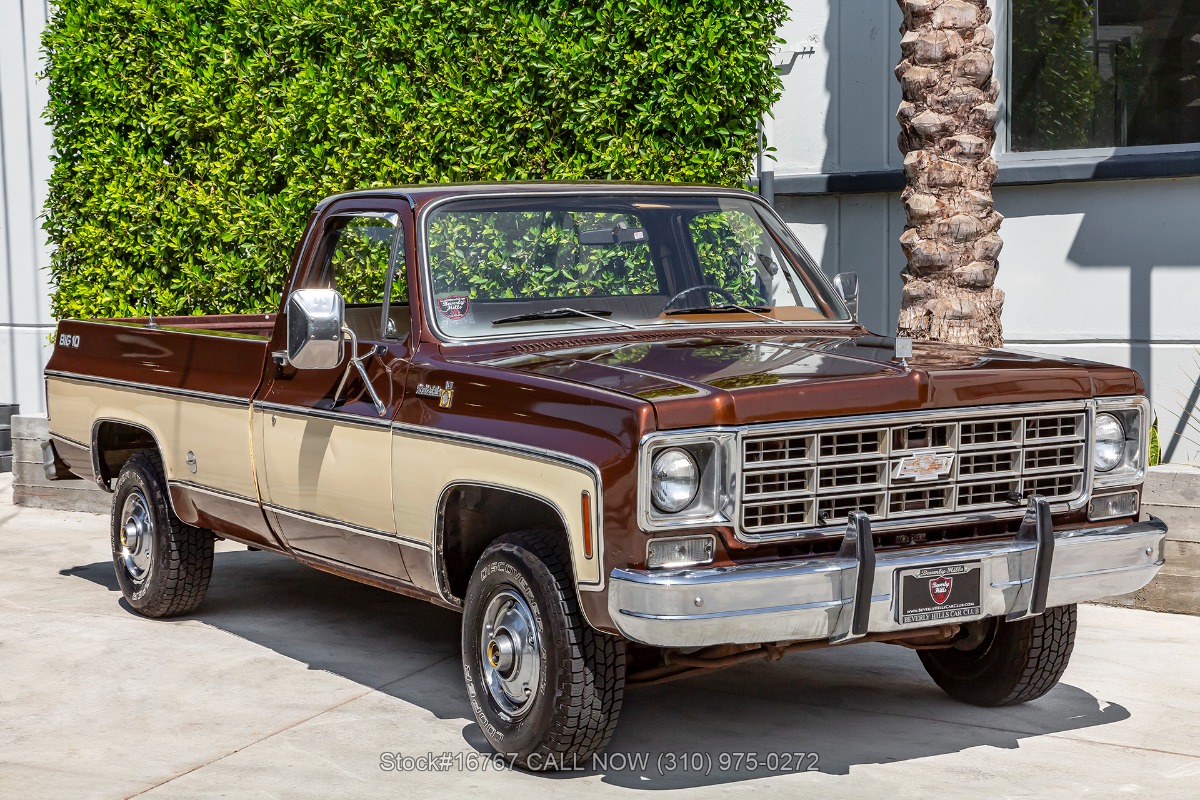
{"points": [[632, 432]]}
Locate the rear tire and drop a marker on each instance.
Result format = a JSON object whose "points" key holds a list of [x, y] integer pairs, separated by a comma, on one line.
{"points": [[1003, 663], [162, 565], [546, 687]]}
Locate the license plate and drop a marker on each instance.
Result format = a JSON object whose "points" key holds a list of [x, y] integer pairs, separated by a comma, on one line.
{"points": [[947, 591]]}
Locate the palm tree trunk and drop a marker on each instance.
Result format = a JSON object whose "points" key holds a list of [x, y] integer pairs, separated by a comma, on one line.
{"points": [[947, 128]]}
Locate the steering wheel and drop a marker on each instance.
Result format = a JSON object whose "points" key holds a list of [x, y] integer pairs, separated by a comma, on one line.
{"points": [[706, 287]]}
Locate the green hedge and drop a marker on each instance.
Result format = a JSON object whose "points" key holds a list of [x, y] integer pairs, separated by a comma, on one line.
{"points": [[193, 136]]}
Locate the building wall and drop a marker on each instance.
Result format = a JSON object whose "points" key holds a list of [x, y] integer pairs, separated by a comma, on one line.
{"points": [[837, 113], [25, 141], [1105, 270]]}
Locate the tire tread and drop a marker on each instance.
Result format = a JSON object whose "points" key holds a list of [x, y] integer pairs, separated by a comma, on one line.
{"points": [[1041, 666], [587, 715], [188, 562], [1024, 662]]}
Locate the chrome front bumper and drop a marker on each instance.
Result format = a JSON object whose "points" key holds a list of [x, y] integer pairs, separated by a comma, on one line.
{"points": [[854, 593]]}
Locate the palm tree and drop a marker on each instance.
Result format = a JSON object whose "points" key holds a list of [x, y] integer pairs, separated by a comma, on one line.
{"points": [[947, 128]]}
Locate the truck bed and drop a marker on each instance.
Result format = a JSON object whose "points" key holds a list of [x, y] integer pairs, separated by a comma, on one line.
{"points": [[186, 383]]}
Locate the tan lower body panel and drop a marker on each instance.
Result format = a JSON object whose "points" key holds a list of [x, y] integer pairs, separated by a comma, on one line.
{"points": [[217, 433], [423, 466], [338, 471], [332, 470]]}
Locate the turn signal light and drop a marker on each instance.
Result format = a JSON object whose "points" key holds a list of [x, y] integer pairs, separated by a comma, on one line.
{"points": [[684, 551], [1111, 506]]}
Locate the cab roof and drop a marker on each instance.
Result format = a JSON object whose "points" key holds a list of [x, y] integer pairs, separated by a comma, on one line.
{"points": [[420, 194]]}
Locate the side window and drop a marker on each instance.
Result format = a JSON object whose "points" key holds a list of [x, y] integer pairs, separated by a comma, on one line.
{"points": [[357, 256], [359, 252]]}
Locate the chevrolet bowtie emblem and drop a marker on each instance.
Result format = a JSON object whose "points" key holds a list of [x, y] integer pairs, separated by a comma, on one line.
{"points": [[925, 466]]}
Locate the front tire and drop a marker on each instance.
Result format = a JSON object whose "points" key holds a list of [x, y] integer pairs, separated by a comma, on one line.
{"points": [[163, 566], [1000, 663], [546, 688]]}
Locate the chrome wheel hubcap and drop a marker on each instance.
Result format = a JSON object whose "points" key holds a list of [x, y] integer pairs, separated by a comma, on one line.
{"points": [[137, 536], [510, 652]]}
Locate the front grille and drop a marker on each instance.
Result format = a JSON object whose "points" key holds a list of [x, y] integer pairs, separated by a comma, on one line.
{"points": [[988, 462], [778, 450], [851, 444], [896, 468]]}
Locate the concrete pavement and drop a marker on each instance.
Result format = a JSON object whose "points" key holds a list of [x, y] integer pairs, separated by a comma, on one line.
{"points": [[292, 683]]}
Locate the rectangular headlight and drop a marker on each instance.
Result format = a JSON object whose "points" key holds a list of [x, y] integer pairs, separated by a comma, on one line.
{"points": [[694, 483], [1134, 415], [683, 551]]}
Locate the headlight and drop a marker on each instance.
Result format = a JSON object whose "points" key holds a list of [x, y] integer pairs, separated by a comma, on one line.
{"points": [[1119, 441], [674, 480], [687, 480], [1109, 446]]}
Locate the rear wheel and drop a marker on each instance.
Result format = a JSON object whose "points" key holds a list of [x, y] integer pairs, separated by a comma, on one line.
{"points": [[163, 566], [1000, 663], [545, 687]]}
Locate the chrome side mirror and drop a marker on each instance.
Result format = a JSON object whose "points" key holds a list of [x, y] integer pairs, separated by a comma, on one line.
{"points": [[314, 328], [847, 285]]}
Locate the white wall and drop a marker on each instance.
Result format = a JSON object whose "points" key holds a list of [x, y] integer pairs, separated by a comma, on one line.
{"points": [[1111, 272], [839, 103], [1108, 271], [25, 321], [855, 233]]}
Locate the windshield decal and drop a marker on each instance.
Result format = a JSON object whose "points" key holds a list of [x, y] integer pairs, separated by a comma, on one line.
{"points": [[454, 307]]}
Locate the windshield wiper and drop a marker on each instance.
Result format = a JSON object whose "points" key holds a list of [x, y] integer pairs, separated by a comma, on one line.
{"points": [[755, 310], [563, 313]]}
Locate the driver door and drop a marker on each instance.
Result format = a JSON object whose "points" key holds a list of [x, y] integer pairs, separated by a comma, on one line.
{"points": [[325, 447]]}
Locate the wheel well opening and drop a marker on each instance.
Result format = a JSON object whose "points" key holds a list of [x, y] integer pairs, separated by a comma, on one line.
{"points": [[115, 443], [474, 516]]}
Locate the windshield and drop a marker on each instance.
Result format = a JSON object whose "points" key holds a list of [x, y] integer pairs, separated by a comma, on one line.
{"points": [[566, 263]]}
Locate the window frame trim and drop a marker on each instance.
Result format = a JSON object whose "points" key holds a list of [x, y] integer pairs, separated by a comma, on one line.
{"points": [[1002, 150], [323, 251]]}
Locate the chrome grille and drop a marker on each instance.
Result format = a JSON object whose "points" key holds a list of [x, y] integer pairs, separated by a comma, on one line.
{"points": [[783, 514], [813, 477], [851, 444], [851, 476], [785, 449], [983, 433], [988, 462], [778, 482], [908, 501]]}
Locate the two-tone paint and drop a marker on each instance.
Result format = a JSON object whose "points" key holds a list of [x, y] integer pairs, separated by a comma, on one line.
{"points": [[278, 458]]}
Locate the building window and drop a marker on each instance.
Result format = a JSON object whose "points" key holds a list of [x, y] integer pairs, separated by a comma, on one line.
{"points": [[1104, 73]]}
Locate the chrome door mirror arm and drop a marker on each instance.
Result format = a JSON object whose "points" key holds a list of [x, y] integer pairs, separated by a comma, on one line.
{"points": [[357, 362]]}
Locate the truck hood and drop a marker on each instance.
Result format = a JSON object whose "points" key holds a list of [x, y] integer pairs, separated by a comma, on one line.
{"points": [[697, 381]]}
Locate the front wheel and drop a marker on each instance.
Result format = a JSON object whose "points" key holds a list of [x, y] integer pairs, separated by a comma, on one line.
{"points": [[1000, 663], [545, 687], [163, 565]]}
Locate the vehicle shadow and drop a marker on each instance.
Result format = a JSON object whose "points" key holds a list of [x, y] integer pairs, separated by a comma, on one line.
{"points": [[823, 711]]}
